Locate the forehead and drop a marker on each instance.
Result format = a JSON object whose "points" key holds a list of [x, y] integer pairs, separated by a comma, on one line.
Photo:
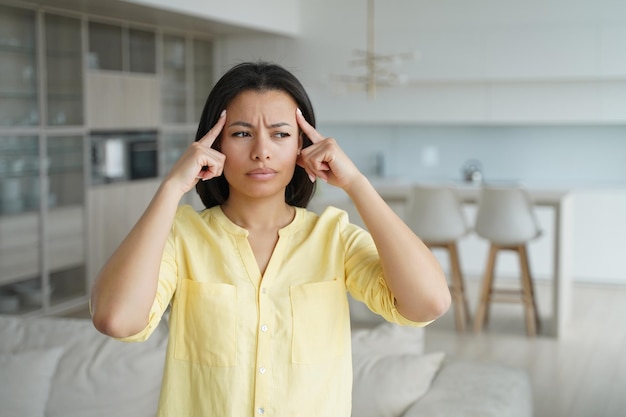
{"points": [[264, 100]]}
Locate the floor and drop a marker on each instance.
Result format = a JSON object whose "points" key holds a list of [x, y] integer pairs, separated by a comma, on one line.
{"points": [[582, 374]]}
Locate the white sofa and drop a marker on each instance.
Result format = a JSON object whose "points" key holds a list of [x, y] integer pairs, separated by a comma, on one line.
{"points": [[394, 377], [62, 367]]}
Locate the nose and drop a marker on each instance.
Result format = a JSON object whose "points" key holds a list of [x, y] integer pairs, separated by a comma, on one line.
{"points": [[260, 151]]}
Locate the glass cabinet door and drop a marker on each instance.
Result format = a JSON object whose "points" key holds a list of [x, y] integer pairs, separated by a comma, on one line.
{"points": [[18, 67], [105, 47], [202, 74], [19, 220], [174, 79], [142, 45], [174, 145], [19, 174], [64, 71], [65, 225]]}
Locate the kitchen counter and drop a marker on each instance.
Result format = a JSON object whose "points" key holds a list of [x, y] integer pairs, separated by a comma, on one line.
{"points": [[396, 193]]}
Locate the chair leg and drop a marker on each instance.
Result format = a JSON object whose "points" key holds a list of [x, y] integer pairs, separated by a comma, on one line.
{"points": [[485, 296], [528, 293], [461, 307]]}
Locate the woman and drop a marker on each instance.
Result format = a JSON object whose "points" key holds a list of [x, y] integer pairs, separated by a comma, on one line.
{"points": [[257, 284]]}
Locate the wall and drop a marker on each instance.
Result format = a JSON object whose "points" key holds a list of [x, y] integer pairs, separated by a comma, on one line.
{"points": [[276, 16], [580, 156], [481, 61], [535, 90], [551, 61]]}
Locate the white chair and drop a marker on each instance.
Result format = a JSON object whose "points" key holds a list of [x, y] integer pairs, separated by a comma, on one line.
{"points": [[507, 219], [436, 215]]}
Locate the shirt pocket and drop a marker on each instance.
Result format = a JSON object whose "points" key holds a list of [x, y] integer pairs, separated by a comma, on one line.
{"points": [[206, 325], [320, 321]]}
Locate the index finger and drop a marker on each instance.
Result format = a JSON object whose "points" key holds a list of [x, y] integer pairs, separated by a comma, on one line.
{"points": [[306, 127], [214, 132]]}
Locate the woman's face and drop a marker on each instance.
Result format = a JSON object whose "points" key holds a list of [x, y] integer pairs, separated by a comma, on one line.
{"points": [[260, 141]]}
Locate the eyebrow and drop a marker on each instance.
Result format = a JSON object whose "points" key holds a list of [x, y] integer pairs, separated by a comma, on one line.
{"points": [[250, 126]]}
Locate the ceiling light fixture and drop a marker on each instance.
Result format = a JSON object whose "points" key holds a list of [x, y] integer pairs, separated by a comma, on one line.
{"points": [[377, 74]]}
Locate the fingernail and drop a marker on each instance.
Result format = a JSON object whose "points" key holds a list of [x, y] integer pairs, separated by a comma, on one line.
{"points": [[312, 177], [299, 111], [223, 113]]}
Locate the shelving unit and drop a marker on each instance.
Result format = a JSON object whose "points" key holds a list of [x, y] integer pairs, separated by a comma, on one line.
{"points": [[42, 165], [55, 226], [64, 71], [42, 221], [174, 90], [18, 66]]}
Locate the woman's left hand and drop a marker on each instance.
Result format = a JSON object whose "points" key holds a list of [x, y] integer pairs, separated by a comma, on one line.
{"points": [[324, 158]]}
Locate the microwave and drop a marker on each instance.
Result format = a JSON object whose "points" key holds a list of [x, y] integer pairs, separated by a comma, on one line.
{"points": [[124, 156]]}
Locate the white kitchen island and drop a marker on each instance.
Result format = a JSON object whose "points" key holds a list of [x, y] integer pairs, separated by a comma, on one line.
{"points": [[396, 193]]}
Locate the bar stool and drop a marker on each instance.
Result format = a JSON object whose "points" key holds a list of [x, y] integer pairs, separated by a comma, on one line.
{"points": [[436, 215], [507, 220]]}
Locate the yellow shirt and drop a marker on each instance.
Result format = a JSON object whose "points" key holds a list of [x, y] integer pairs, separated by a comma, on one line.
{"points": [[277, 345]]}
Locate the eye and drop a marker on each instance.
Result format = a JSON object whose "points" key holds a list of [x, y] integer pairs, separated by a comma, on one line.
{"points": [[281, 135], [241, 134]]}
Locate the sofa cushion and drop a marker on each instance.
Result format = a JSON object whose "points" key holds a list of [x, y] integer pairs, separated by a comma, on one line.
{"points": [[388, 339], [390, 370], [96, 375], [475, 389], [386, 385], [25, 378]]}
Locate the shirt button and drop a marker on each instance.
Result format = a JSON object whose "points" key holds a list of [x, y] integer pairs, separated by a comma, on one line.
{"points": [[260, 410], [262, 370], [264, 328]]}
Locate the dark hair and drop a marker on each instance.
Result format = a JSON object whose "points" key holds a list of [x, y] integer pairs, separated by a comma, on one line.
{"points": [[257, 76]]}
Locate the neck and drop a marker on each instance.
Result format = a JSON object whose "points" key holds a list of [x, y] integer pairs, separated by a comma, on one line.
{"points": [[258, 214]]}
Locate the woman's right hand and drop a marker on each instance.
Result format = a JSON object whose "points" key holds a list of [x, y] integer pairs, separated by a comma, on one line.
{"points": [[200, 161]]}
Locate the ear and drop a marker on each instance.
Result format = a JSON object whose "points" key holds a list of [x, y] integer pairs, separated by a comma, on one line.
{"points": [[300, 141]]}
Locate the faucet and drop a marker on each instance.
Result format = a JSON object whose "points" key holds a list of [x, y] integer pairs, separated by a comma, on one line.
{"points": [[472, 171]]}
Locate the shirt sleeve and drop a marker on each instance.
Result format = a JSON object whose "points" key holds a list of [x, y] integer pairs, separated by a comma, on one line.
{"points": [[364, 274]]}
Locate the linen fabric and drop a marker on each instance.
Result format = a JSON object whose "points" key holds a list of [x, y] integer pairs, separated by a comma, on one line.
{"points": [[475, 389], [276, 344], [387, 339], [25, 379], [386, 385], [96, 374]]}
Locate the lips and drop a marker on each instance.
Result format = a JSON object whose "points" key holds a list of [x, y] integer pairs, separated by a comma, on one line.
{"points": [[262, 173]]}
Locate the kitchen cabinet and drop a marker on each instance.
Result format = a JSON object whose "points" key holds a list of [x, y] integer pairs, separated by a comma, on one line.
{"points": [[18, 66], [175, 79], [123, 90], [174, 145], [122, 101], [65, 76], [117, 47], [64, 70], [142, 48], [188, 77], [65, 232], [20, 220], [105, 47], [42, 227], [114, 210], [202, 74], [42, 167]]}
